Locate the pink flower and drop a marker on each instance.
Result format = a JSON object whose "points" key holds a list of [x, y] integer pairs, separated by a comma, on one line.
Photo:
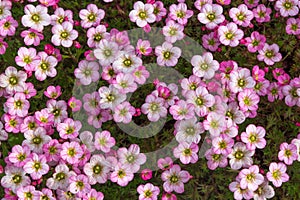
{"points": [[292, 93], [27, 58], [95, 35], [230, 34], [287, 7], [19, 155], [12, 123], [94, 194], [79, 185], [174, 179], [187, 153], [3, 46], [36, 17], [131, 158], [288, 153], [241, 156], [154, 108], [36, 139], [125, 83], [211, 15], [240, 193], [71, 152], [18, 105], [53, 92], [277, 174], [121, 175], [269, 54], [143, 47], [210, 41], [165, 163], [241, 15], [74, 104], [32, 36], [222, 144], [251, 178], [180, 13], [254, 137], [148, 192], [63, 34], [97, 169], [262, 13], [159, 11], [8, 26], [124, 112], [91, 16], [248, 100], [44, 117], [182, 110], [167, 54], [13, 80], [142, 14], [204, 66], [140, 74], [69, 128], [60, 15], [46, 67], [293, 26], [36, 166], [214, 123], [255, 42], [173, 31], [146, 174], [104, 141]]}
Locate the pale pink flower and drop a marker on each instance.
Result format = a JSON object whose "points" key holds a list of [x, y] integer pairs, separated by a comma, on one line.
{"points": [[94, 193], [182, 110], [3, 46], [189, 130], [167, 54], [60, 15], [262, 13], [174, 179], [204, 66], [17, 105], [61, 178], [69, 128], [230, 34], [106, 52], [71, 152], [293, 26], [264, 192], [140, 74], [24, 192], [240, 193], [186, 152], [13, 80], [79, 185], [95, 35], [154, 108], [254, 137], [241, 156], [104, 141], [148, 192], [53, 92], [27, 58], [110, 97], [211, 15], [240, 80], [287, 7], [180, 13], [36, 17], [121, 175], [74, 104], [173, 31], [97, 169], [251, 178], [131, 158], [125, 83], [19, 155], [63, 34], [14, 178], [165, 163], [32, 36], [87, 72], [143, 47], [210, 41], [159, 11], [199, 4], [124, 112], [44, 118], [12, 123], [142, 14], [214, 123], [277, 174], [255, 42], [241, 15], [288, 153], [222, 144], [46, 66], [36, 166], [5, 6], [8, 26], [269, 54], [126, 62], [36, 139], [91, 16]]}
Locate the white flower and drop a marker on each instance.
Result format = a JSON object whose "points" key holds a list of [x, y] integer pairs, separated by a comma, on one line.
{"points": [[204, 66], [142, 14]]}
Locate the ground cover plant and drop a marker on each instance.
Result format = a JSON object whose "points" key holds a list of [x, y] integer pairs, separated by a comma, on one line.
{"points": [[148, 100]]}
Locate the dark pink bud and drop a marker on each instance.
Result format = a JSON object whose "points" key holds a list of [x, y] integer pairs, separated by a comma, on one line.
{"points": [[49, 49], [163, 92], [146, 174], [77, 45], [243, 41], [76, 23], [203, 28], [137, 112]]}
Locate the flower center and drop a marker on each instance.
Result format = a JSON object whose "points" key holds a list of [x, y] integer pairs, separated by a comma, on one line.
{"points": [[190, 131], [60, 20], [148, 193], [37, 166], [52, 150], [37, 140], [71, 152], [64, 35], [21, 157], [253, 138], [250, 177], [18, 104], [154, 107], [32, 35], [167, 55], [17, 179], [269, 54], [247, 101], [216, 157], [56, 112], [111, 97], [80, 184], [44, 66], [255, 43], [127, 62], [60, 176], [187, 152], [6, 25], [199, 101], [91, 17], [174, 179], [180, 14], [239, 155], [97, 37], [204, 66], [143, 15], [172, 31], [13, 80], [28, 195], [241, 82], [287, 5], [27, 59], [276, 174], [97, 169], [130, 159], [241, 16], [121, 174], [35, 18], [229, 36], [222, 145], [288, 153]]}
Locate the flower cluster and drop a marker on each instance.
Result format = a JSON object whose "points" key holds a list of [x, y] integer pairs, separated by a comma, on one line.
{"points": [[214, 100]]}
